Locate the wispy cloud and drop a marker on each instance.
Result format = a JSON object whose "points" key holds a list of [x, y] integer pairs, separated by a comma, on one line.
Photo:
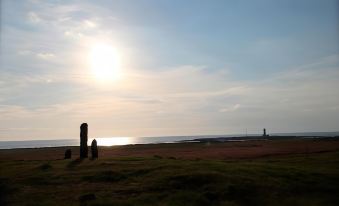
{"points": [[178, 77], [33, 17], [230, 108], [45, 56]]}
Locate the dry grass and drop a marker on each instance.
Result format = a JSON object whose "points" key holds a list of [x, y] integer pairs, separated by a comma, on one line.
{"points": [[172, 175]]}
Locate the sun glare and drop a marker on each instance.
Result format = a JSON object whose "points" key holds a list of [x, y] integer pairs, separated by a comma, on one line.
{"points": [[104, 62], [110, 141]]}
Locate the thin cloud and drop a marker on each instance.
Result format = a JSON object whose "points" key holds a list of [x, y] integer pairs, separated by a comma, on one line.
{"points": [[34, 17], [45, 55], [230, 108]]}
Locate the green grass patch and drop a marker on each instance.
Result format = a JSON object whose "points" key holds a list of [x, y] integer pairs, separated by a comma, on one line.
{"points": [[288, 180]]}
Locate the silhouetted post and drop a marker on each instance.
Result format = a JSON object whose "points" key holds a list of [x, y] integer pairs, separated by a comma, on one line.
{"points": [[68, 154], [83, 140], [94, 149], [264, 133]]}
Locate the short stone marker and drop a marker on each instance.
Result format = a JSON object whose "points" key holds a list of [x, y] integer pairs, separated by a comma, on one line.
{"points": [[68, 154], [94, 149]]}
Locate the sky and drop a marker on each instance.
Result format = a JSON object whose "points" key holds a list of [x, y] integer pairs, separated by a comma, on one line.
{"points": [[191, 67]]}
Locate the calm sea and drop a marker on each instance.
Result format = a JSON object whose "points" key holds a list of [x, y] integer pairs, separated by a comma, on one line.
{"points": [[110, 141], [103, 141]]}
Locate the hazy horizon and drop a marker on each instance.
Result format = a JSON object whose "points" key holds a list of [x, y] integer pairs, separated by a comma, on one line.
{"points": [[145, 68]]}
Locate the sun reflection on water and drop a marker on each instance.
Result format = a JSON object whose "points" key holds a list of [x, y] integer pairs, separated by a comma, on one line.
{"points": [[111, 141]]}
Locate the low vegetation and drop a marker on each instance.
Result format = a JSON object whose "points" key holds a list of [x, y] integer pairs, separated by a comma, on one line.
{"points": [[311, 179]]}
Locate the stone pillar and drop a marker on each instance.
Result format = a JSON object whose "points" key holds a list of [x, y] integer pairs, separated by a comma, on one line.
{"points": [[83, 140], [68, 154], [94, 149]]}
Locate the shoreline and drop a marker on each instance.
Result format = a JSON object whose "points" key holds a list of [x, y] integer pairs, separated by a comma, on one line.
{"points": [[195, 140]]}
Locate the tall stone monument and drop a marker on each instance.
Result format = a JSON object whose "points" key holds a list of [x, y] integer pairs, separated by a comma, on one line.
{"points": [[94, 149], [83, 140]]}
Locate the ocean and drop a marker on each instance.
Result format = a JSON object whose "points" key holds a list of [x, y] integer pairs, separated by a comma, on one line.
{"points": [[111, 141], [102, 141]]}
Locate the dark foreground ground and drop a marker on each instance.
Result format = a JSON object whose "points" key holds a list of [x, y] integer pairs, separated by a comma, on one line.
{"points": [[273, 172]]}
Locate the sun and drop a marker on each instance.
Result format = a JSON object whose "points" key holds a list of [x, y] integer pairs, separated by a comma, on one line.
{"points": [[104, 62]]}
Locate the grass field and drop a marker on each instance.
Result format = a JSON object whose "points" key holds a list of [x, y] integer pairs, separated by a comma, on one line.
{"points": [[295, 179]]}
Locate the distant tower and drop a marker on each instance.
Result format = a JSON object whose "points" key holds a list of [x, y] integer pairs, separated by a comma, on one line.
{"points": [[264, 133]]}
